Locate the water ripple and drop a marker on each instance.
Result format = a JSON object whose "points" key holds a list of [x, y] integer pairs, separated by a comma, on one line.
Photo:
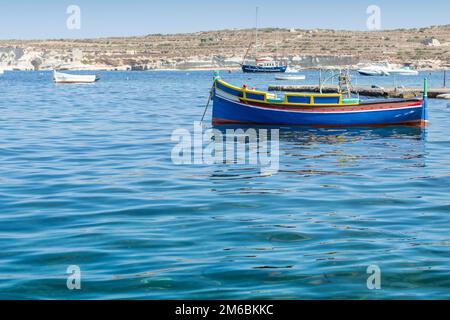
{"points": [[86, 179]]}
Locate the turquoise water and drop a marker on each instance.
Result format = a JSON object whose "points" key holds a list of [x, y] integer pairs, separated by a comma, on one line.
{"points": [[86, 179]]}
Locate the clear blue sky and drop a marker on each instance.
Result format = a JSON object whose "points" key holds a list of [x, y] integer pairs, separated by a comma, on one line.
{"points": [[37, 19]]}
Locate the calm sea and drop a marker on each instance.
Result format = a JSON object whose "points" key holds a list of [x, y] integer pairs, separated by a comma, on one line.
{"points": [[87, 180]]}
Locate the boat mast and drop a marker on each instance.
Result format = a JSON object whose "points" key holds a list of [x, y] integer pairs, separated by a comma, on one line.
{"points": [[248, 50], [256, 34], [276, 44]]}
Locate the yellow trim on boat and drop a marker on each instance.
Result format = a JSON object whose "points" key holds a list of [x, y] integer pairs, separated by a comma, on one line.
{"points": [[312, 97], [228, 85], [285, 102]]}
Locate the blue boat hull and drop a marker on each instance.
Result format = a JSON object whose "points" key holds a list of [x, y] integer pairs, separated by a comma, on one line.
{"points": [[261, 69], [229, 111]]}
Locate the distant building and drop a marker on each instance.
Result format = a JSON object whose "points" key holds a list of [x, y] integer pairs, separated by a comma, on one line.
{"points": [[77, 55], [139, 67], [432, 42]]}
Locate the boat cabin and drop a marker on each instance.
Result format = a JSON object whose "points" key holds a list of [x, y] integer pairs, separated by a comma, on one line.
{"points": [[267, 63]]}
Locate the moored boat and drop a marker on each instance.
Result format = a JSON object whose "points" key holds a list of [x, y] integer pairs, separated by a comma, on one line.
{"points": [[374, 70], [290, 78], [61, 78], [262, 65], [235, 105], [444, 96], [387, 69]]}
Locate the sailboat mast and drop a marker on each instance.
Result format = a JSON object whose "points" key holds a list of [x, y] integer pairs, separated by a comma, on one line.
{"points": [[276, 44], [256, 34]]}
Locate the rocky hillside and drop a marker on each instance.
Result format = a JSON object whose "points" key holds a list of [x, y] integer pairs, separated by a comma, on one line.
{"points": [[426, 48]]}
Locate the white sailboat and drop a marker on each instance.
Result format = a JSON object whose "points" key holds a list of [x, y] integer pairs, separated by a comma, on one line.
{"points": [[262, 65], [59, 77]]}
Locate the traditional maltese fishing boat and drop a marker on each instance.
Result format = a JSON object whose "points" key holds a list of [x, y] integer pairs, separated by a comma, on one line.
{"points": [[59, 77], [235, 105]]}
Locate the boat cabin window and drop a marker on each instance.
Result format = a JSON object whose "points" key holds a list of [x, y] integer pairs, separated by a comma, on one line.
{"points": [[267, 64]]}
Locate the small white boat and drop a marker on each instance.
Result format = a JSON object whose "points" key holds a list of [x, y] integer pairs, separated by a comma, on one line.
{"points": [[290, 78], [444, 96], [59, 77], [374, 70], [293, 69], [2, 71]]}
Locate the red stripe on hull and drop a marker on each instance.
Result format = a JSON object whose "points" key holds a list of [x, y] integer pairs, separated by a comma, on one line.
{"points": [[415, 123], [367, 107], [73, 82]]}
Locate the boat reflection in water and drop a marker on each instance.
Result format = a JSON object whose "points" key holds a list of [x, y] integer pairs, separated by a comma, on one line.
{"points": [[308, 135], [328, 151]]}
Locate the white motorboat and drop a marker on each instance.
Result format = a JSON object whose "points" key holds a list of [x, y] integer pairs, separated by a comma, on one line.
{"points": [[444, 96], [386, 69], [404, 71], [59, 77], [290, 78], [293, 69], [373, 70], [2, 71]]}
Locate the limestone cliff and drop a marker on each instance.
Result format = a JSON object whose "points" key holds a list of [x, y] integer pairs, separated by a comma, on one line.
{"points": [[426, 48]]}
